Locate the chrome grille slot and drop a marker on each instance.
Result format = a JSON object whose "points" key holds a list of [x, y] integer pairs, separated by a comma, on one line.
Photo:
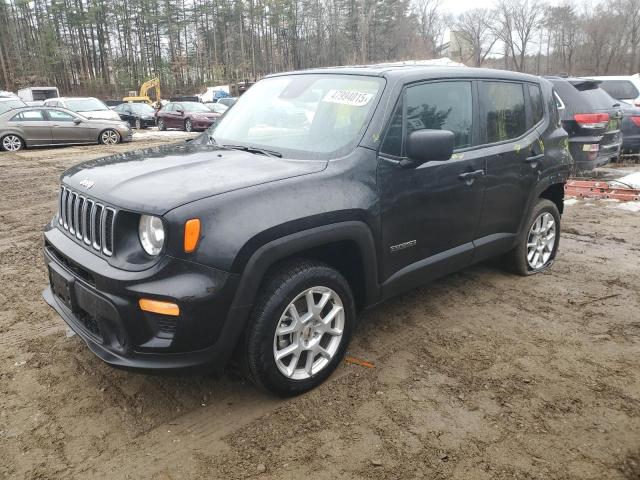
{"points": [[87, 221], [77, 217], [96, 226]]}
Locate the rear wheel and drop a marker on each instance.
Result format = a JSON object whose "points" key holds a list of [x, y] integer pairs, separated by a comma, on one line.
{"points": [[538, 243], [299, 329], [12, 143], [188, 126]]}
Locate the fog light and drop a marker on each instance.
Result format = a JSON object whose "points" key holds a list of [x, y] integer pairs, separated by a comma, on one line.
{"points": [[157, 306]]}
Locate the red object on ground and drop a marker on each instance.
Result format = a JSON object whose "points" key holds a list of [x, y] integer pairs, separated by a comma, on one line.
{"points": [[598, 189]]}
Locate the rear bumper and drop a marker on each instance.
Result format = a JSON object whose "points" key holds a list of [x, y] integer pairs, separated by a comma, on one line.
{"points": [[631, 143], [103, 310], [585, 160]]}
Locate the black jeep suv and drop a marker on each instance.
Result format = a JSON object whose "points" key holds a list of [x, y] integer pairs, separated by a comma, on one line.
{"points": [[321, 193], [592, 119]]}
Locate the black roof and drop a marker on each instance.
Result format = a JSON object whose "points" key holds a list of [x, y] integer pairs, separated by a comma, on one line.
{"points": [[417, 72]]}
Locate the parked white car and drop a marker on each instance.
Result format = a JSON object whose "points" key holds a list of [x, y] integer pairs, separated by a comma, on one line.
{"points": [[37, 95], [89, 107], [625, 88]]}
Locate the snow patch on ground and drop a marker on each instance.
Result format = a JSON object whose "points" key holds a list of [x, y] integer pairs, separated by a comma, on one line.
{"points": [[570, 201], [629, 206], [632, 180], [155, 134]]}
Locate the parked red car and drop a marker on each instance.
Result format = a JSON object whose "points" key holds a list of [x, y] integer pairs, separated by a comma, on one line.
{"points": [[188, 116]]}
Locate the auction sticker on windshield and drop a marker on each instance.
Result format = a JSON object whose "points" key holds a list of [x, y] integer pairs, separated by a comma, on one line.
{"points": [[348, 97]]}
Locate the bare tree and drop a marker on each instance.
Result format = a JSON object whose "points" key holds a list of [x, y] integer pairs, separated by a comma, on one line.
{"points": [[476, 28], [517, 21], [431, 24]]}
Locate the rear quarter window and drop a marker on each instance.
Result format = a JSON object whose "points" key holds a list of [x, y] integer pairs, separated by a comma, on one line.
{"points": [[537, 108], [597, 98]]}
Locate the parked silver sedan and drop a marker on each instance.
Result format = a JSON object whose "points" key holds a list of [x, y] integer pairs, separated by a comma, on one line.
{"points": [[46, 126]]}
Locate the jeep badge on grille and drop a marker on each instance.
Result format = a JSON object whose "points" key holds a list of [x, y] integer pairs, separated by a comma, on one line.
{"points": [[86, 183]]}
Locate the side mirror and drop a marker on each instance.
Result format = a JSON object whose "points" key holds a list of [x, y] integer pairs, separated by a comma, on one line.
{"points": [[428, 145], [77, 121]]}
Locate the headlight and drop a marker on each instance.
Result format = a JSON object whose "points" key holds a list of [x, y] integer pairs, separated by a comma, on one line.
{"points": [[151, 233]]}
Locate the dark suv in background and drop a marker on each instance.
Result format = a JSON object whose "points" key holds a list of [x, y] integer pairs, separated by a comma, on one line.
{"points": [[591, 118], [265, 237]]}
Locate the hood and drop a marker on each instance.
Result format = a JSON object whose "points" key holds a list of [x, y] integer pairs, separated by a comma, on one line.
{"points": [[101, 114], [156, 180]]}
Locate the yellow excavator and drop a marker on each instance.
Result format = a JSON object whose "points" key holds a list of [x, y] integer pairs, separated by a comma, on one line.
{"points": [[143, 97]]}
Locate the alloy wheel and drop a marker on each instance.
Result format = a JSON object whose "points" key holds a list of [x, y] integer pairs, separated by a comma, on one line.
{"points": [[188, 126], [541, 241], [309, 333], [138, 124], [110, 137], [11, 143]]}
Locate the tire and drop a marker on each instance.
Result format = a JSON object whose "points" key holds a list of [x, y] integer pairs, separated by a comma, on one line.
{"points": [[11, 143], [290, 284], [161, 125], [109, 137], [188, 126], [138, 124], [523, 259]]}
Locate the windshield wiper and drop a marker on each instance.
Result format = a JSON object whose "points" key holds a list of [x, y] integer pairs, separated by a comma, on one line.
{"points": [[254, 150]]}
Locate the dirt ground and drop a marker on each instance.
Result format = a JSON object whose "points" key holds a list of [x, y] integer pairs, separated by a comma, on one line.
{"points": [[480, 375]]}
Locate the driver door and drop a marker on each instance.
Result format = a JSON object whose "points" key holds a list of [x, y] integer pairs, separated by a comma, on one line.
{"points": [[430, 213], [68, 128]]}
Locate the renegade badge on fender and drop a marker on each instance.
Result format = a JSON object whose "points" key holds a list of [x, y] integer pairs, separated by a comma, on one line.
{"points": [[319, 194]]}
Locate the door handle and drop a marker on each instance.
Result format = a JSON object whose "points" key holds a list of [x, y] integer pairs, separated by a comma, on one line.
{"points": [[534, 159], [470, 177]]}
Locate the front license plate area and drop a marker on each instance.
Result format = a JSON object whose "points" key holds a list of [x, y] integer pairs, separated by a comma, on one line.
{"points": [[62, 285]]}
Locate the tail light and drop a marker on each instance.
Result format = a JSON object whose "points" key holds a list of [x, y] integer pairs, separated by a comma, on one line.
{"points": [[636, 121], [592, 120]]}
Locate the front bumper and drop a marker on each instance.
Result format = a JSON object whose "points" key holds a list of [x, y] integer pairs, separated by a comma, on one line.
{"points": [[202, 124], [126, 135], [102, 308]]}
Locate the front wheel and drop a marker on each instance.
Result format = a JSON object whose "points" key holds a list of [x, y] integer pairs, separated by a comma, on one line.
{"points": [[538, 243], [109, 137], [12, 143], [300, 328], [188, 126], [138, 125], [161, 125]]}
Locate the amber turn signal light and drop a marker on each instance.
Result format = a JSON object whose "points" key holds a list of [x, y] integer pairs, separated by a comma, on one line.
{"points": [[191, 235], [157, 306]]}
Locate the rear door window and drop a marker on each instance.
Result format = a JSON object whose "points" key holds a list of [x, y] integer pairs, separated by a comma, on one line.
{"points": [[620, 89], [29, 116], [503, 111], [441, 106]]}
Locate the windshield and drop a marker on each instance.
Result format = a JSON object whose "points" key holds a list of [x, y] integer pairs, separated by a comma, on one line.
{"points": [[86, 105], [303, 116], [142, 109], [7, 105], [194, 107]]}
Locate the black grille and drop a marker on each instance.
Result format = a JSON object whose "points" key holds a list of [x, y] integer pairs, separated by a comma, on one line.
{"points": [[87, 220]]}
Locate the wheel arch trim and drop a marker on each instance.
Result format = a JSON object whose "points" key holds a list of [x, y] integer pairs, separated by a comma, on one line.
{"points": [[287, 246]]}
